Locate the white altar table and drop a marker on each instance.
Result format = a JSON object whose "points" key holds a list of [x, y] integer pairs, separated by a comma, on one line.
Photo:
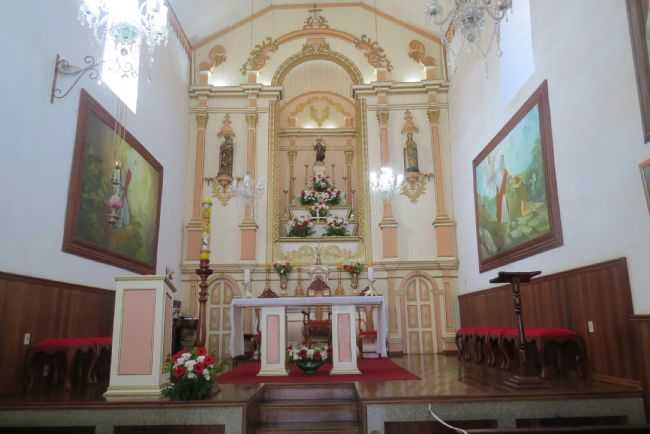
{"points": [[273, 327]]}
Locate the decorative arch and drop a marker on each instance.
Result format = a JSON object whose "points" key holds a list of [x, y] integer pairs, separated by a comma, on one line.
{"points": [[263, 51], [415, 274], [307, 55]]}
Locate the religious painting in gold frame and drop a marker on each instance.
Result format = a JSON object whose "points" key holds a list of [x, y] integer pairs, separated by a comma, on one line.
{"points": [[515, 191], [113, 211], [645, 178]]}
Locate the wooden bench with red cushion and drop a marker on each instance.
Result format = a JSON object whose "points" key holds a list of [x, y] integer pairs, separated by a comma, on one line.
{"points": [[69, 348], [497, 346]]}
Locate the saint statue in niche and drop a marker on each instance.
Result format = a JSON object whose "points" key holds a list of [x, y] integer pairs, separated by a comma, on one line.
{"points": [[320, 149], [226, 150], [410, 147]]}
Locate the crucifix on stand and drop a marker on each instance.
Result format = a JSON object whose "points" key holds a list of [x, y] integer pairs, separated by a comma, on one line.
{"points": [[526, 377]]}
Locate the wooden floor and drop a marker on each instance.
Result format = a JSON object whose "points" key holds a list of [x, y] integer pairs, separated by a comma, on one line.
{"points": [[442, 378]]}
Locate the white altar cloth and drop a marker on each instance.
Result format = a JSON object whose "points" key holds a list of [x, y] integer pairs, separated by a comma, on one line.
{"points": [[237, 319]]}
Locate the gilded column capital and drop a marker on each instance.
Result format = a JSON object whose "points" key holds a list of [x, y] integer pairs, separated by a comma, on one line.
{"points": [[202, 120], [434, 116], [251, 120], [382, 117]]}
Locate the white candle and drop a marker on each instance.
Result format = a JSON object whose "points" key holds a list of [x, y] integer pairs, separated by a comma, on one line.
{"points": [[247, 276], [371, 273]]}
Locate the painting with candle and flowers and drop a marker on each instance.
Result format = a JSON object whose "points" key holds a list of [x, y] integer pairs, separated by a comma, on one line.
{"points": [[114, 195]]}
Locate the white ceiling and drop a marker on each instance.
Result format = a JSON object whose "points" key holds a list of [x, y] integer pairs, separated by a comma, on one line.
{"points": [[201, 18]]}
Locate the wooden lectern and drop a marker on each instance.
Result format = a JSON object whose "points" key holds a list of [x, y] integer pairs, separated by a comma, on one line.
{"points": [[526, 378]]}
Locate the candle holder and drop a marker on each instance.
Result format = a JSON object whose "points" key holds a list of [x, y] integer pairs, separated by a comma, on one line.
{"points": [[339, 289], [300, 291], [204, 271], [268, 292]]}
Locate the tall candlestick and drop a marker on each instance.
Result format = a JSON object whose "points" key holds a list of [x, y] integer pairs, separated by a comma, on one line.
{"points": [[371, 273], [247, 276], [204, 270]]}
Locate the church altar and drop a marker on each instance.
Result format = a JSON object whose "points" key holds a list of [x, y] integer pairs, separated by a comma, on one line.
{"points": [[273, 326]]}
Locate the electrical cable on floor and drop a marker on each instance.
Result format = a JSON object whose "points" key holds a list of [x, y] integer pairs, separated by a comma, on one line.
{"points": [[435, 416]]}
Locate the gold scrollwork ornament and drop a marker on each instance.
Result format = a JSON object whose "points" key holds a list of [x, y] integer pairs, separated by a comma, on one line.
{"points": [[415, 185], [222, 191]]}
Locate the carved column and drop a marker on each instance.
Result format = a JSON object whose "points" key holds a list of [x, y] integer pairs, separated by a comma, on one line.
{"points": [[444, 226], [193, 229], [293, 153], [248, 227], [349, 156], [388, 223]]}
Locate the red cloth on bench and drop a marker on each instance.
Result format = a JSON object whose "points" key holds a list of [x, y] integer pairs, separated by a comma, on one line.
{"points": [[75, 342], [533, 332]]}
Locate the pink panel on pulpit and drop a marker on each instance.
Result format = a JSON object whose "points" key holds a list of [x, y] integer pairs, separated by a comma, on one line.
{"points": [[273, 339], [343, 331], [136, 337]]}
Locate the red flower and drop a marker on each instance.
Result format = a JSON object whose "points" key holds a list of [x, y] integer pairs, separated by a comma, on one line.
{"points": [[179, 371], [201, 351], [209, 360], [177, 356], [302, 354], [198, 368], [317, 355]]}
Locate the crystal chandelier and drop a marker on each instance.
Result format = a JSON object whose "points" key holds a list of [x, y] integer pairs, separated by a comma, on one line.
{"points": [[385, 183], [247, 188], [468, 19], [127, 23]]}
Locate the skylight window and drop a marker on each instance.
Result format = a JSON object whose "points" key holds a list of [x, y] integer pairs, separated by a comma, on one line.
{"points": [[120, 72], [517, 63]]}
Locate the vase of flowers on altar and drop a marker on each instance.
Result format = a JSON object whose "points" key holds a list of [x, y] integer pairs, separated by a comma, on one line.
{"points": [[309, 197], [336, 227], [354, 269], [283, 268], [192, 374], [308, 358], [321, 183], [319, 210], [331, 197], [301, 227]]}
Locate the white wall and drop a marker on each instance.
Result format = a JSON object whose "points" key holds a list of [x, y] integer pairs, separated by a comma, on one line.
{"points": [[38, 139], [583, 48]]}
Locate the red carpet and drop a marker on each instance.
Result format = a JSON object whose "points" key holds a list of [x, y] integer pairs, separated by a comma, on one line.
{"points": [[372, 370]]}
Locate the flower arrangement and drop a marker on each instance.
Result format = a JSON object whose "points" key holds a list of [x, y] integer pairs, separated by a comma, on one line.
{"points": [[353, 268], [319, 210], [301, 227], [333, 196], [309, 197], [336, 227], [192, 374], [321, 183], [282, 268], [308, 358]]}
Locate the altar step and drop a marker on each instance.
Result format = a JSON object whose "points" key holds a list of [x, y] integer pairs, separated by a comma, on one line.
{"points": [[310, 428], [308, 408]]}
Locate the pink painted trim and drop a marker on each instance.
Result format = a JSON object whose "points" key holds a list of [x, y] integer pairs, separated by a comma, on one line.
{"points": [[345, 351], [136, 336], [273, 339], [167, 333]]}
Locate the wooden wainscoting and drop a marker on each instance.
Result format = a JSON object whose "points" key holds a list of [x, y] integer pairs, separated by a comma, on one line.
{"points": [[598, 293], [171, 429], [46, 309], [642, 326]]}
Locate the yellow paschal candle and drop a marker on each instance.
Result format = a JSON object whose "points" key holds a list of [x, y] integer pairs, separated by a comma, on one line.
{"points": [[206, 216]]}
